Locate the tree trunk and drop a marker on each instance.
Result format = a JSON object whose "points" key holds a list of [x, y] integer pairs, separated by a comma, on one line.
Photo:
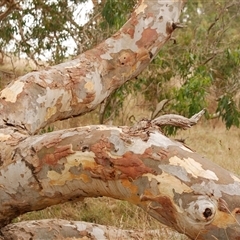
{"points": [[173, 184]]}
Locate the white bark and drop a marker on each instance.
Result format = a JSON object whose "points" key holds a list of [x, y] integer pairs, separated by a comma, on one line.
{"points": [[173, 184]]}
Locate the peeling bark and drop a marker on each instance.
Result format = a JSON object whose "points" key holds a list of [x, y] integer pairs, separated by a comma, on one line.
{"points": [[78, 86], [173, 184], [53, 229]]}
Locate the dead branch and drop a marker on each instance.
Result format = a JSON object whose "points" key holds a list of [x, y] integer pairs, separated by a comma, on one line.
{"points": [[168, 119], [177, 120]]}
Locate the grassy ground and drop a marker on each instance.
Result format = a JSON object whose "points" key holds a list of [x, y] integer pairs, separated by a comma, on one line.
{"points": [[216, 143]]}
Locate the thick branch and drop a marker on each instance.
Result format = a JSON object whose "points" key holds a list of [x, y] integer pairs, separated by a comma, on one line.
{"points": [[78, 86], [173, 184]]}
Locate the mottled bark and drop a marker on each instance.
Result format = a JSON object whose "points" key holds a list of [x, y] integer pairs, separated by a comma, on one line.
{"points": [[78, 86], [173, 184], [56, 229]]}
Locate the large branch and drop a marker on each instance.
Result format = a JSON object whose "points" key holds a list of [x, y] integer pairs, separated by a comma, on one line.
{"points": [[173, 184], [78, 86]]}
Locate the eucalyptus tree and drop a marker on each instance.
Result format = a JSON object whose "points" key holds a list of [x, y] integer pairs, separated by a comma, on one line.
{"points": [[139, 164]]}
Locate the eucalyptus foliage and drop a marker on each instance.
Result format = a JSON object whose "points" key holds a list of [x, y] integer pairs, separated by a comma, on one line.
{"points": [[199, 68], [43, 29]]}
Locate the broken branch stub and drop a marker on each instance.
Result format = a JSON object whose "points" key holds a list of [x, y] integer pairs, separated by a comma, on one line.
{"points": [[178, 120]]}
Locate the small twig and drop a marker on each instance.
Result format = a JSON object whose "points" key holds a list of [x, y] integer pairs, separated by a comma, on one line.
{"points": [[159, 107], [219, 16]]}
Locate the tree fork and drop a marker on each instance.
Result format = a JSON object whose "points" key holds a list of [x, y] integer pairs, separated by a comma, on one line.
{"points": [[172, 183]]}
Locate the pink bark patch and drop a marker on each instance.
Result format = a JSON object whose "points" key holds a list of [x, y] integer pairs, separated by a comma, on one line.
{"points": [[59, 153], [148, 37]]}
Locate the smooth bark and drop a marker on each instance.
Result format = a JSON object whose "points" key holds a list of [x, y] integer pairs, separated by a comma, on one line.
{"points": [[78, 86], [173, 184]]}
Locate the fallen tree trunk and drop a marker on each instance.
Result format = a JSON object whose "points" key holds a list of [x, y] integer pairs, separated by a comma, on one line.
{"points": [[173, 184]]}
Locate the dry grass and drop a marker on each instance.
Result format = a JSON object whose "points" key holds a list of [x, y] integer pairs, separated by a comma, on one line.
{"points": [[12, 67], [109, 212], [216, 143]]}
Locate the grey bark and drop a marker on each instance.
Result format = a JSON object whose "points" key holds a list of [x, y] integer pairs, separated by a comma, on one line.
{"points": [[172, 183]]}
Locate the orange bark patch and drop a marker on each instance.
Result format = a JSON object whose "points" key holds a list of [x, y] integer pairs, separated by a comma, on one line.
{"points": [[131, 166], [89, 98], [59, 153], [156, 154], [128, 166], [163, 206], [129, 31], [148, 37], [101, 150]]}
